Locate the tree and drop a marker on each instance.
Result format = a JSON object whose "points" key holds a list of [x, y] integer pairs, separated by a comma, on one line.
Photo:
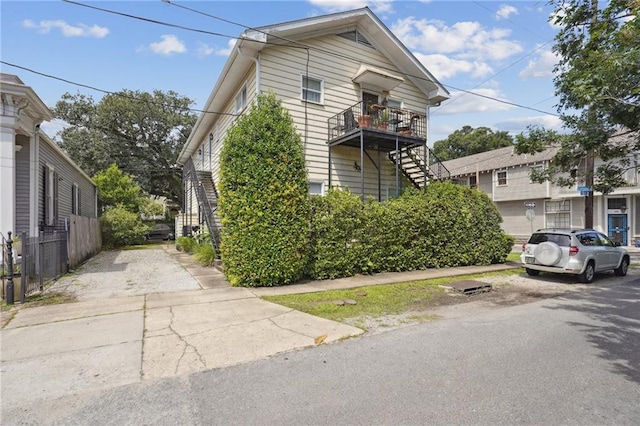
{"points": [[117, 188], [598, 82], [143, 133], [264, 198], [468, 141]]}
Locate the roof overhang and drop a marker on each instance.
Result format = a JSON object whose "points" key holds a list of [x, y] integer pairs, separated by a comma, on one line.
{"points": [[373, 78]]}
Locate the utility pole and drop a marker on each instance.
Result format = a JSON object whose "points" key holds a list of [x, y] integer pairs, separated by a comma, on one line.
{"points": [[589, 164]]}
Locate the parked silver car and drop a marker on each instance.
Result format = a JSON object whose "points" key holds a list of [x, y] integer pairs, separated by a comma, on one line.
{"points": [[581, 252]]}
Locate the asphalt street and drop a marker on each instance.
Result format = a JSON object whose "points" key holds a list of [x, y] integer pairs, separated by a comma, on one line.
{"points": [[573, 359]]}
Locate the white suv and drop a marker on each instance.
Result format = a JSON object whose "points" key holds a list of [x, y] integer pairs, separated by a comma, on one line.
{"points": [[580, 252]]}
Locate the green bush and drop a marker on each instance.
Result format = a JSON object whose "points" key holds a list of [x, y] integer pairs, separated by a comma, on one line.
{"points": [[264, 198], [442, 226], [204, 253], [185, 244], [121, 227]]}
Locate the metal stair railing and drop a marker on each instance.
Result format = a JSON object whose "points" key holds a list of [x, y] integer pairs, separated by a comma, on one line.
{"points": [[207, 210], [436, 170]]}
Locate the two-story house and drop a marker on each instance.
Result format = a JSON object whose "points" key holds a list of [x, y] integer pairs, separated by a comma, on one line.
{"points": [[358, 97], [526, 206]]}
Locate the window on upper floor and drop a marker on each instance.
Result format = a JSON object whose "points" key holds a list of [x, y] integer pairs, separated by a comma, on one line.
{"points": [[473, 183], [502, 178], [312, 89], [241, 100]]}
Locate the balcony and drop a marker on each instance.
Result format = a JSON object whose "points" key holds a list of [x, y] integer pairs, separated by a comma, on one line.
{"points": [[386, 128]]}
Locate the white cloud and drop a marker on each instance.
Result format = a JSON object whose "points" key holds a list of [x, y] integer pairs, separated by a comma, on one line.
{"points": [[170, 44], [520, 124], [51, 128], [227, 51], [540, 66], [463, 102], [204, 50], [506, 11], [443, 66], [468, 40], [67, 30], [378, 6]]}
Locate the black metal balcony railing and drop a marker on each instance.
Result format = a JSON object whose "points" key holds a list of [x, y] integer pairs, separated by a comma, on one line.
{"points": [[379, 118]]}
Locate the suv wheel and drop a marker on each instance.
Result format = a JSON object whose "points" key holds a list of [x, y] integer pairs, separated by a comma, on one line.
{"points": [[621, 270], [588, 274], [532, 272]]}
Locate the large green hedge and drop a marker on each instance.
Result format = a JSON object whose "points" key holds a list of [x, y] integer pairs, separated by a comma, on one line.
{"points": [[441, 226], [263, 198]]}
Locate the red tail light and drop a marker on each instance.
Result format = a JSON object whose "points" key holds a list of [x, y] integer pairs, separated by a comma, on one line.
{"points": [[524, 246], [573, 250]]}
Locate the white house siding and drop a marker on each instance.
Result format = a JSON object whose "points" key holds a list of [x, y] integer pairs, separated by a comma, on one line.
{"points": [[281, 70], [515, 221]]}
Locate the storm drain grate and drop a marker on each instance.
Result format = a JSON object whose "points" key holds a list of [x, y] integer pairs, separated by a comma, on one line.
{"points": [[469, 287]]}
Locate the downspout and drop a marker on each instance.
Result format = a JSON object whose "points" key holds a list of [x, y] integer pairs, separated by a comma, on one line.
{"points": [[257, 61]]}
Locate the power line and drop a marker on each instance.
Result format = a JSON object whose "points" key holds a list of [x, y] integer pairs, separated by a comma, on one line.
{"points": [[335, 54]]}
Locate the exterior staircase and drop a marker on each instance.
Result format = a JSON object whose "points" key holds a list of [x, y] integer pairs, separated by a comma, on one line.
{"points": [[207, 195], [416, 168]]}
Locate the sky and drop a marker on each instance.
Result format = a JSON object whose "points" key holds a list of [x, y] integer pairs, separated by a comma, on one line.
{"points": [[495, 49]]}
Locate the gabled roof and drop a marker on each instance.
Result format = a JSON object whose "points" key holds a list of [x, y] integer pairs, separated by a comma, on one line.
{"points": [[252, 41], [500, 158]]}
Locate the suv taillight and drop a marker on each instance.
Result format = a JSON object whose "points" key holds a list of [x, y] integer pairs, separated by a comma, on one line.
{"points": [[573, 250], [524, 246]]}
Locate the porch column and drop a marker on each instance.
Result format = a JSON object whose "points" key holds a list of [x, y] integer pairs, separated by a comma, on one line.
{"points": [[362, 164], [11, 108]]}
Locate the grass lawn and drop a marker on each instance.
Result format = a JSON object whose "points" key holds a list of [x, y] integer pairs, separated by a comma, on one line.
{"points": [[375, 301]]}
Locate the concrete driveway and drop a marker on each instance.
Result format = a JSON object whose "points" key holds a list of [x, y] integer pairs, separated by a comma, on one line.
{"points": [[142, 315]]}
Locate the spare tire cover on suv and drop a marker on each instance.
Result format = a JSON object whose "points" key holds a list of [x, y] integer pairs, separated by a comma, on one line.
{"points": [[548, 253]]}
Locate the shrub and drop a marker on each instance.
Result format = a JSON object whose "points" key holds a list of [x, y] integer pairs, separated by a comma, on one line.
{"points": [[204, 253], [263, 201], [185, 244], [444, 225], [121, 227]]}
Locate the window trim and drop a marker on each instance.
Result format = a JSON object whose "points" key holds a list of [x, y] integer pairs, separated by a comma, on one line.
{"points": [[240, 100], [317, 182], [303, 88], [564, 208], [75, 199], [506, 178]]}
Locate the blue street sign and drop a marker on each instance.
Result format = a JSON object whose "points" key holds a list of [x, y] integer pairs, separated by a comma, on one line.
{"points": [[584, 189], [584, 193]]}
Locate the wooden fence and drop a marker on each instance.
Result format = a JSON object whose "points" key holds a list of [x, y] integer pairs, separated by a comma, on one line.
{"points": [[85, 239]]}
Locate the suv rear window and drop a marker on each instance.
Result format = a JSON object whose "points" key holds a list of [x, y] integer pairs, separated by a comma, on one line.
{"points": [[560, 239]]}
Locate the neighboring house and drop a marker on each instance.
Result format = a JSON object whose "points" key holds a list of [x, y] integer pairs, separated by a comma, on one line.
{"points": [[41, 187], [505, 177], [357, 96]]}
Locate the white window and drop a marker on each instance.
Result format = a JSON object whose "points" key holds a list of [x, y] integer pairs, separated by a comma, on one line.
{"points": [[557, 214], [241, 100], [394, 104], [312, 89], [316, 188], [502, 178], [473, 182]]}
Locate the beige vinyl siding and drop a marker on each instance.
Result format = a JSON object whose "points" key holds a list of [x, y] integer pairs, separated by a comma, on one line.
{"points": [[281, 71]]}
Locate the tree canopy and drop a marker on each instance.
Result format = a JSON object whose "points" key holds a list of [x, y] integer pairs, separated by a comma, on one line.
{"points": [[598, 81], [141, 132], [468, 141]]}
